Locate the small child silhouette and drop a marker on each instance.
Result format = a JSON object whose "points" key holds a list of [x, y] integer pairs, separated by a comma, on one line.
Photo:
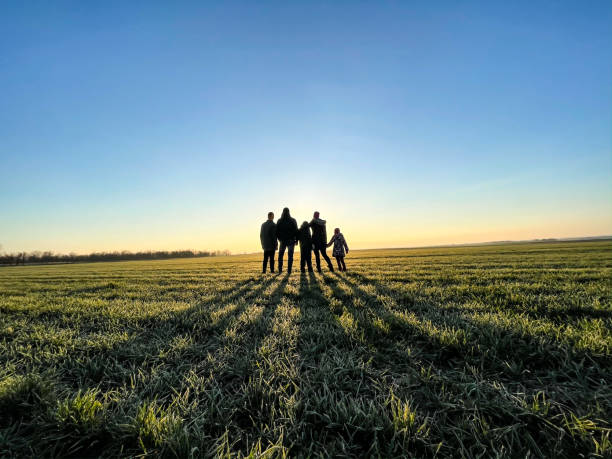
{"points": [[339, 246]]}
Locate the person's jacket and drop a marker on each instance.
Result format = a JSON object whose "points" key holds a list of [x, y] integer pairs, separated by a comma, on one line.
{"points": [[286, 229], [340, 245], [268, 235], [304, 238], [319, 233]]}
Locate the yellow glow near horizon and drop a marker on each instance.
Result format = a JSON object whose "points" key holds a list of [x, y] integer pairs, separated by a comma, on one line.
{"points": [[365, 222], [240, 237]]}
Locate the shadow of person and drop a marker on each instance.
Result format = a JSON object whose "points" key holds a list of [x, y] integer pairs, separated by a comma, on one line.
{"points": [[203, 326], [452, 336], [304, 284]]}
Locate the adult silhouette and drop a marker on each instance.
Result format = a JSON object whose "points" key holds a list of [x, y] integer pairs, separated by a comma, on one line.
{"points": [[268, 241], [319, 241], [286, 232]]}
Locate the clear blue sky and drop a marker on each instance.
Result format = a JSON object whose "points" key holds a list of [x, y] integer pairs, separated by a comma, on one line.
{"points": [[166, 125]]}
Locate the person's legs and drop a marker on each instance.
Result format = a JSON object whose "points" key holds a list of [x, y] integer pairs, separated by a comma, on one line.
{"points": [[339, 263], [326, 258], [308, 257], [272, 260], [281, 254], [290, 248], [317, 259], [343, 263], [302, 260], [265, 261]]}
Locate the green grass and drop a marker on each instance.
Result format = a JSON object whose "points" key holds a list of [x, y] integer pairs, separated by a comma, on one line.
{"points": [[494, 351]]}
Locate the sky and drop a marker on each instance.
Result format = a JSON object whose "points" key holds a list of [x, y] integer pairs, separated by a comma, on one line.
{"points": [[175, 125]]}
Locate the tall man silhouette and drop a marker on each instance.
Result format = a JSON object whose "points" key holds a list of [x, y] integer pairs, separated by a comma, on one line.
{"points": [[319, 241], [268, 241], [286, 232]]}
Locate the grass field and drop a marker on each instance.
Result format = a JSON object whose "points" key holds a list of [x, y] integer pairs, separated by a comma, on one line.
{"points": [[493, 351]]}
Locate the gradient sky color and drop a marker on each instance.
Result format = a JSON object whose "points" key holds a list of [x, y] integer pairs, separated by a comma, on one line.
{"points": [[156, 125]]}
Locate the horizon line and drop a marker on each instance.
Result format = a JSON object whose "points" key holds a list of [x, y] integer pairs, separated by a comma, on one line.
{"points": [[449, 244], [467, 244]]}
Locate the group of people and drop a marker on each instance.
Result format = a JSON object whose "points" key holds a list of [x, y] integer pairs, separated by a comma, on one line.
{"points": [[286, 232]]}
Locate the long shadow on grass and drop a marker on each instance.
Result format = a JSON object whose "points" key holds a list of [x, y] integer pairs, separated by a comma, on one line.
{"points": [[156, 371], [212, 371], [448, 386], [149, 341], [501, 345], [203, 326], [61, 315], [218, 346], [145, 362], [262, 372], [249, 336], [344, 403], [227, 391], [503, 300]]}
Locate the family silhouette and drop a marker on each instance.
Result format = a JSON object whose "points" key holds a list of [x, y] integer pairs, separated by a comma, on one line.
{"points": [[285, 234]]}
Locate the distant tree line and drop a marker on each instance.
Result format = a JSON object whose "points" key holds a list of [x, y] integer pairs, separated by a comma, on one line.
{"points": [[50, 257]]}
